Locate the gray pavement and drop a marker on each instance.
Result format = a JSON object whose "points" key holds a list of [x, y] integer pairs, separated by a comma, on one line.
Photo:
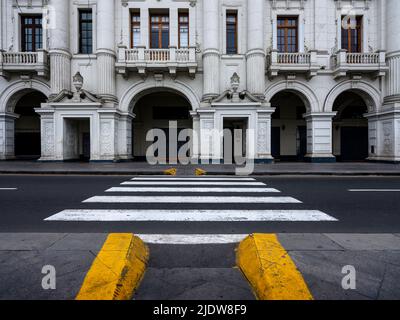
{"points": [[375, 257], [186, 272], [22, 257], [142, 168]]}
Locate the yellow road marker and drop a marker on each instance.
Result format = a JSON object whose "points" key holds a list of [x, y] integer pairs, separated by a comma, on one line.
{"points": [[117, 270], [170, 172], [270, 270], [200, 172]]}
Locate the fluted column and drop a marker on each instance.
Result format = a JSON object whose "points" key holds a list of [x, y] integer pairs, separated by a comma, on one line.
{"points": [[393, 48], [255, 51], [60, 56], [106, 50], [211, 54]]}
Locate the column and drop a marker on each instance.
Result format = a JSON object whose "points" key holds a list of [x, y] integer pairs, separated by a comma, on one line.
{"points": [[125, 135], [393, 48], [255, 51], [7, 126], [106, 50], [47, 133], [60, 56], [385, 125], [196, 137], [211, 52], [319, 137], [264, 122]]}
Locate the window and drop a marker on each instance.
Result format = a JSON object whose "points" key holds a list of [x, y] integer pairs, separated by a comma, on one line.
{"points": [[352, 36], [135, 29], [85, 31], [159, 35], [31, 33], [231, 33], [183, 29], [287, 34]]}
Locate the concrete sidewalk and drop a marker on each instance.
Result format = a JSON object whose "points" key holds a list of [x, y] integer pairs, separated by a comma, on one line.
{"points": [[142, 168], [319, 257]]}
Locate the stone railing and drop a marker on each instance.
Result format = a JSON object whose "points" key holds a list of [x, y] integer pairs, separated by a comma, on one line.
{"points": [[294, 58], [141, 58], [344, 62], [279, 62], [24, 61]]}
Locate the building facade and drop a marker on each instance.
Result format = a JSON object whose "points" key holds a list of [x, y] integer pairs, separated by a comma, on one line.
{"points": [[310, 80]]}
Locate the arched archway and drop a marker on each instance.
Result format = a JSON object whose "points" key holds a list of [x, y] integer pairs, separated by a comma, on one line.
{"points": [[140, 89], [367, 92], [301, 90], [289, 128], [350, 127], [162, 109], [27, 126], [21, 134]]}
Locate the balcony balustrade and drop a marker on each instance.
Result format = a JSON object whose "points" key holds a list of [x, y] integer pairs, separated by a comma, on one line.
{"points": [[142, 60], [24, 62], [344, 63]]}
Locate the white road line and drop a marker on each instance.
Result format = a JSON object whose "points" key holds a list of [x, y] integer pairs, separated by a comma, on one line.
{"points": [[192, 183], [374, 190], [194, 199], [194, 179], [192, 190], [192, 215], [191, 238], [8, 189]]}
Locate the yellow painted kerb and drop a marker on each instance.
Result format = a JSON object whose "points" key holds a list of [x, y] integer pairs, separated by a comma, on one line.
{"points": [[117, 270], [270, 270]]}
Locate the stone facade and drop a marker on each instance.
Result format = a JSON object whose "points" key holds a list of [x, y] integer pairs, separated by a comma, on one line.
{"points": [[116, 75]]}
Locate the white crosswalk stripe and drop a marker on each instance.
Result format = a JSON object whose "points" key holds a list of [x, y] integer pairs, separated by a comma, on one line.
{"points": [[226, 191], [193, 190], [194, 199], [193, 179], [191, 215], [192, 183]]}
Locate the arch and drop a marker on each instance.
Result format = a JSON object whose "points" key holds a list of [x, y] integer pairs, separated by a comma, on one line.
{"points": [[305, 93], [16, 90], [368, 93], [138, 90]]}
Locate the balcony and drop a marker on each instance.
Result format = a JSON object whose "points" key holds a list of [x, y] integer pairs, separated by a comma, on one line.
{"points": [[298, 62], [344, 63], [24, 62], [142, 60]]}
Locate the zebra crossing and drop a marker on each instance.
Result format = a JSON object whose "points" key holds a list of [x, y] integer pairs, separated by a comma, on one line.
{"points": [[141, 194]]}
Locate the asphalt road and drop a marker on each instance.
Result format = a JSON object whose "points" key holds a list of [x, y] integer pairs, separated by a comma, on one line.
{"points": [[39, 197]]}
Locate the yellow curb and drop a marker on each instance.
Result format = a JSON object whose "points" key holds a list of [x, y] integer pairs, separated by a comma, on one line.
{"points": [[200, 172], [270, 270], [170, 172], [117, 270]]}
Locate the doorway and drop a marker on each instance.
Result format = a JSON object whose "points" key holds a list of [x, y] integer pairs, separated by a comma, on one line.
{"points": [[235, 140]]}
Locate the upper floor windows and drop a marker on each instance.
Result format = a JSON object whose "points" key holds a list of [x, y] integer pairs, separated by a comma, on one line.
{"points": [[31, 33], [183, 29], [159, 31], [287, 34], [85, 31], [135, 29], [232, 32], [352, 34]]}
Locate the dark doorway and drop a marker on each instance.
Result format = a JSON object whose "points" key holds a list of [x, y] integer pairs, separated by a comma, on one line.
{"points": [[235, 137], [158, 110], [354, 143], [350, 128], [27, 127], [85, 146], [276, 142], [301, 142], [289, 128]]}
